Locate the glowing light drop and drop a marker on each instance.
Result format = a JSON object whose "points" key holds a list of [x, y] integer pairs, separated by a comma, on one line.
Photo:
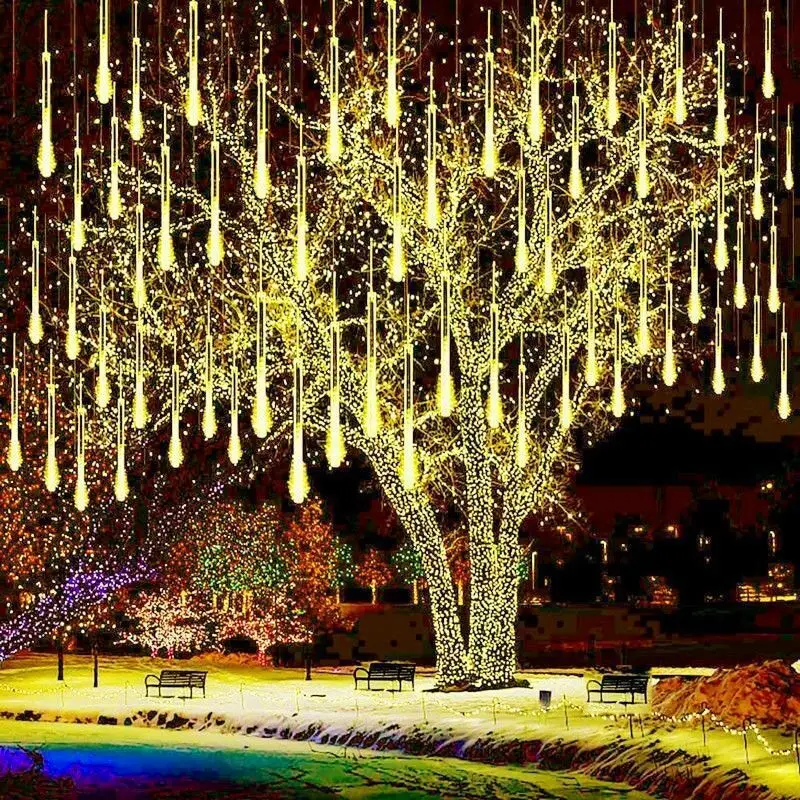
{"points": [[14, 455], [372, 417], [103, 83], [193, 105], [46, 156], [175, 451], [489, 154], [784, 406], [767, 80], [535, 115], [52, 476], [35, 327], [81, 493], [136, 122], [166, 252]]}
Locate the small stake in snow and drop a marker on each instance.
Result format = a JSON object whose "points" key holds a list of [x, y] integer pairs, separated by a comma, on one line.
{"points": [[297, 700], [797, 749], [641, 726], [494, 711], [424, 710], [630, 724], [241, 694], [566, 718], [744, 738]]}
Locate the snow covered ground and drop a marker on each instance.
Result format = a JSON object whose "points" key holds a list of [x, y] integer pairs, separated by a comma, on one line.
{"points": [[98, 758], [245, 698]]}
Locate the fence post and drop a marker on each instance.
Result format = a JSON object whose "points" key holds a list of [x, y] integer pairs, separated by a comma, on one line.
{"points": [[703, 726], [797, 749], [641, 726], [630, 724], [425, 711], [566, 716], [744, 738], [494, 710]]}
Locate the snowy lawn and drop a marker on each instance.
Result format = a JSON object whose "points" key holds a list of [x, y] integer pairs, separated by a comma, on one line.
{"points": [[242, 695], [98, 758]]}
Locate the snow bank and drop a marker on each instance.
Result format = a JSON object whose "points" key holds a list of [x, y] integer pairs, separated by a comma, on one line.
{"points": [[767, 694]]}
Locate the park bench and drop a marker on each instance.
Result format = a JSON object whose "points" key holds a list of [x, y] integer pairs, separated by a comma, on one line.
{"points": [[613, 684], [176, 679], [379, 671]]}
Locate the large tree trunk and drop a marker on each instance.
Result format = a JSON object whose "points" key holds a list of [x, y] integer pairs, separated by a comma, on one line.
{"points": [[415, 513]]}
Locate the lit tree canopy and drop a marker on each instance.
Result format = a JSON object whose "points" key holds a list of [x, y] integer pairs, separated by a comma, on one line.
{"points": [[448, 276]]}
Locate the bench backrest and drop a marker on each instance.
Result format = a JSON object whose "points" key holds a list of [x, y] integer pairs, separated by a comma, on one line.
{"points": [[183, 677], [625, 683], [390, 669]]}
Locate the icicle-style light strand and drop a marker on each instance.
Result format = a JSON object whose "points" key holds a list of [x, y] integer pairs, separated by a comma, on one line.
{"points": [[548, 273], [408, 456], [617, 392], [234, 441], [521, 453], [784, 405], [139, 399], [261, 170], [103, 83], [679, 108], [298, 474], [592, 370], [114, 206], [81, 493], [166, 252], [334, 141], [372, 417], [261, 417], [46, 156], [565, 412], [612, 104], [397, 256], [695, 309], [521, 257], [78, 232], [35, 327], [788, 174], [14, 455], [718, 376], [757, 206], [721, 258], [209, 422], [535, 115], [334, 441], [489, 155], [494, 405], [756, 364], [52, 476], [720, 122], [392, 104], [301, 245], [215, 247], [194, 104], [739, 290], [121, 488], [643, 337], [670, 367], [767, 80], [575, 179], [136, 120], [139, 288], [432, 212], [175, 451], [446, 394], [102, 389], [642, 178], [773, 296], [72, 344]]}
